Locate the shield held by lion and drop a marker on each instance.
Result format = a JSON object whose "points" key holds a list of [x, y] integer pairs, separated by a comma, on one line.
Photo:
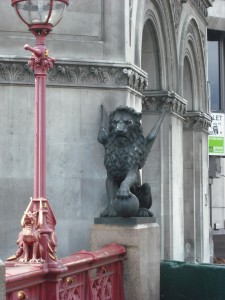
{"points": [[126, 150]]}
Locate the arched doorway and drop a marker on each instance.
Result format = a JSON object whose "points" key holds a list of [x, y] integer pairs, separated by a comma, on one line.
{"points": [[150, 56], [188, 84]]}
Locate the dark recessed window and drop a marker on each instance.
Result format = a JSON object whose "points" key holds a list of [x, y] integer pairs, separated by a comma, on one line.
{"points": [[216, 68], [214, 74]]}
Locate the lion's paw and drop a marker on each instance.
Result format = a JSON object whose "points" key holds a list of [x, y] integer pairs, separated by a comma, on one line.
{"points": [[144, 212], [123, 192]]}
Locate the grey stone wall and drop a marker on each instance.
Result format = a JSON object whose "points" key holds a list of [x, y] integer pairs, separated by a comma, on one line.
{"points": [[75, 171]]}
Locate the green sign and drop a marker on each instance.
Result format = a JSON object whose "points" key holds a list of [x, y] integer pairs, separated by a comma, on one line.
{"points": [[216, 145]]}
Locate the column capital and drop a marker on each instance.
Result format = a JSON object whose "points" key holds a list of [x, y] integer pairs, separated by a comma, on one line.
{"points": [[197, 120], [156, 100]]}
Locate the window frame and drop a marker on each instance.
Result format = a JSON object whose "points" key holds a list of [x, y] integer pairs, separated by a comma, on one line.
{"points": [[216, 35]]}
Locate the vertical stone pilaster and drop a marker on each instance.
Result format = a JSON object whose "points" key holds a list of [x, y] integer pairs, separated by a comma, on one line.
{"points": [[189, 197], [164, 169], [196, 223]]}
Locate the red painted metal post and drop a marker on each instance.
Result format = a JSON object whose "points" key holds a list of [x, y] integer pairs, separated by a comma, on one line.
{"points": [[37, 240], [40, 62], [40, 137]]}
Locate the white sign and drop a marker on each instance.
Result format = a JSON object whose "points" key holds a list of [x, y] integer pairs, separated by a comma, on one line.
{"points": [[216, 135]]}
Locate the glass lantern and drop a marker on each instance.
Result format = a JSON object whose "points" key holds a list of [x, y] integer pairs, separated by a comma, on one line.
{"points": [[40, 12]]}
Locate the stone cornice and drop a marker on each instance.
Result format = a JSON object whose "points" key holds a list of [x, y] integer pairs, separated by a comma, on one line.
{"points": [[156, 100], [97, 75], [198, 121]]}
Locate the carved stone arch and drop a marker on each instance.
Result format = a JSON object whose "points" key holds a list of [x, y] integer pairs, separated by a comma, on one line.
{"points": [[190, 79], [159, 17], [150, 58], [171, 14], [192, 50], [153, 35]]}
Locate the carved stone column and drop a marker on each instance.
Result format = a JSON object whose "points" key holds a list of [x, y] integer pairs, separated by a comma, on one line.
{"points": [[196, 223], [164, 169]]}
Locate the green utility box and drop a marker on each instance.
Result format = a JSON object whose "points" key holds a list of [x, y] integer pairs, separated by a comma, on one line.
{"points": [[187, 281]]}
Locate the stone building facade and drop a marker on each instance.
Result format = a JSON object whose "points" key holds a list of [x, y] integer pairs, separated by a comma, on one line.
{"points": [[140, 53]]}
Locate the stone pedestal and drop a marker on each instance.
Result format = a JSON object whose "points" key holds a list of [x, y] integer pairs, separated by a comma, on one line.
{"points": [[141, 272]]}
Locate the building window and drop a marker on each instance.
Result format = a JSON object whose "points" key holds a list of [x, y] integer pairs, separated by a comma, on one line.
{"points": [[216, 69], [214, 78]]}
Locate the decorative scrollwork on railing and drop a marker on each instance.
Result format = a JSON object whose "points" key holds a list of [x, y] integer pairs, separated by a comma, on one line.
{"points": [[95, 275], [72, 287], [102, 284]]}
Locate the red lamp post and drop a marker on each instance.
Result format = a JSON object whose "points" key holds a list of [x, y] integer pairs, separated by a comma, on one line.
{"points": [[37, 240]]}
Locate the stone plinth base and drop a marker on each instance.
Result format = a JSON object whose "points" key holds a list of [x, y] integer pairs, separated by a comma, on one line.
{"points": [[142, 262]]}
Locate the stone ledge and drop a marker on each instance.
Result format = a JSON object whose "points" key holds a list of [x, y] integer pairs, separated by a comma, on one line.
{"points": [[78, 74], [125, 221]]}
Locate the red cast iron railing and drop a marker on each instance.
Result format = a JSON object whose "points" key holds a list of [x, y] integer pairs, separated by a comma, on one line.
{"points": [[84, 276]]}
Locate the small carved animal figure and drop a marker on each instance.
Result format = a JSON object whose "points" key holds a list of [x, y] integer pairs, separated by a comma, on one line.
{"points": [[30, 249], [37, 234], [126, 150]]}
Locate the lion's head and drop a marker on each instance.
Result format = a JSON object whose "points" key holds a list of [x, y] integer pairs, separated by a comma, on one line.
{"points": [[124, 125], [29, 218], [126, 145]]}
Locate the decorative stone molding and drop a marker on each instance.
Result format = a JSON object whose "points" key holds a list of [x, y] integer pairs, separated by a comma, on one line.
{"points": [[172, 102], [201, 6], [198, 121], [130, 18], [156, 100], [86, 75], [203, 39], [15, 73], [177, 10], [194, 37]]}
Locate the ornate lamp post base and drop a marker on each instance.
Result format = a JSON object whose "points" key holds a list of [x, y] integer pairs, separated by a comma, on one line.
{"points": [[37, 241]]}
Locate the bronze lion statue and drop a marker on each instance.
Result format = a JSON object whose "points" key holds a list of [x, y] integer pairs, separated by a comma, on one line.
{"points": [[126, 150]]}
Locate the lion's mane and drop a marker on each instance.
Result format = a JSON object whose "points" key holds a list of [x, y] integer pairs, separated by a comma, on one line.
{"points": [[119, 160]]}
